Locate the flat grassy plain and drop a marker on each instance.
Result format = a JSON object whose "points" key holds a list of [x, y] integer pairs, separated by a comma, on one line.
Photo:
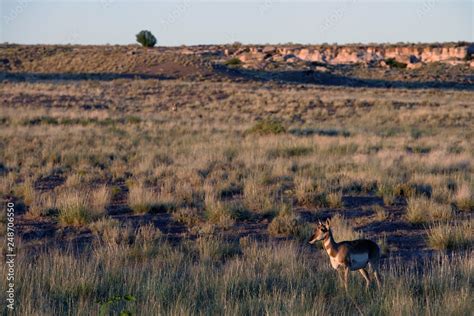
{"points": [[197, 195]]}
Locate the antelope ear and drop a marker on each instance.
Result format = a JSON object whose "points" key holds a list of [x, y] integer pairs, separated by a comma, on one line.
{"points": [[327, 223], [319, 222]]}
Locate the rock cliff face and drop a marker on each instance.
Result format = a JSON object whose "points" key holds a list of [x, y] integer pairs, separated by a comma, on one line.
{"points": [[455, 53]]}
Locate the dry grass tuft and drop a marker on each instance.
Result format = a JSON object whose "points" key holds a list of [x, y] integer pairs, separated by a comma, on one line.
{"points": [[78, 208], [447, 236], [464, 198], [380, 213], [100, 197], [257, 195], [187, 216], [308, 194], [342, 230], [43, 204], [141, 199], [287, 223], [335, 199], [422, 210]]}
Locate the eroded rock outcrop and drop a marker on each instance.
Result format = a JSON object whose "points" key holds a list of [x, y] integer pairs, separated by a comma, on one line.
{"points": [[413, 55]]}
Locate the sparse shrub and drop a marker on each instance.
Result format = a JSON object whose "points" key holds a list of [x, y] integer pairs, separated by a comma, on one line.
{"points": [[342, 149], [230, 191], [304, 190], [219, 215], [239, 212], [463, 198], [141, 199], [27, 192], [40, 120], [101, 197], [75, 208], [111, 234], [257, 196], [334, 199], [465, 205], [445, 236], [146, 38], [317, 131], [404, 190], [124, 241], [440, 211], [7, 184], [455, 149], [267, 127], [43, 204], [342, 230], [288, 152], [101, 226], [307, 193], [380, 213], [416, 133], [187, 216], [387, 193], [104, 305], [146, 236], [216, 211], [234, 61], [204, 229], [418, 149], [422, 209], [393, 63], [75, 180], [286, 223], [417, 210], [115, 191], [383, 245], [215, 250]]}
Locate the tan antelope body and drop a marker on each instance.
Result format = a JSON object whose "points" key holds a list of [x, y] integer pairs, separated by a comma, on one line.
{"points": [[349, 255]]}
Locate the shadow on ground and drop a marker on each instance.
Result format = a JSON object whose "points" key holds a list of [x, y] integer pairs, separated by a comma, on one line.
{"points": [[328, 79], [35, 77]]}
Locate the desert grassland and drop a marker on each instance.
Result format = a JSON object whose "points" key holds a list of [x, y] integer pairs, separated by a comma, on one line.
{"points": [[212, 276], [217, 154]]}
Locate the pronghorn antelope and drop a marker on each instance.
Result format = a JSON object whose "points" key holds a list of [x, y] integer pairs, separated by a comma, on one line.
{"points": [[349, 255]]}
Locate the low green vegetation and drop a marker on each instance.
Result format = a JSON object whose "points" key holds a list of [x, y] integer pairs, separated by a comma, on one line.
{"points": [[267, 127], [393, 63], [233, 62]]}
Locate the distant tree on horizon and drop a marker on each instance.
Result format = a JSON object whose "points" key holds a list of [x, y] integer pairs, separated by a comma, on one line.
{"points": [[146, 38]]}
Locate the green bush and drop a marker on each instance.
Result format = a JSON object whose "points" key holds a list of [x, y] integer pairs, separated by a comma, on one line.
{"points": [[267, 127], [393, 63], [146, 39], [234, 61]]}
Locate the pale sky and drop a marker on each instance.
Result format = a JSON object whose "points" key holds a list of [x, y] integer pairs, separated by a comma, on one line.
{"points": [[214, 22]]}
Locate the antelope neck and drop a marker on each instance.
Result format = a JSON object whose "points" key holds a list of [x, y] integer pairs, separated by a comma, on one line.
{"points": [[330, 245]]}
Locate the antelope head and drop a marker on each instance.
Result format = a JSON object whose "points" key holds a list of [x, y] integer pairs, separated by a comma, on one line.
{"points": [[320, 232]]}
